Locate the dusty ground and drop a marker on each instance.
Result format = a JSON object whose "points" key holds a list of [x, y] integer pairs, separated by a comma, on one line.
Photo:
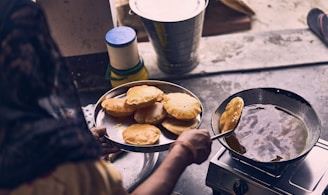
{"points": [[283, 14]]}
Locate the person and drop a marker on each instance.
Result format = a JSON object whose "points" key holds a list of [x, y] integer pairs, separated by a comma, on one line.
{"points": [[45, 144]]}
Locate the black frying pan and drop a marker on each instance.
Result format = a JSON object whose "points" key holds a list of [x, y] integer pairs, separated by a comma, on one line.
{"points": [[286, 100]]}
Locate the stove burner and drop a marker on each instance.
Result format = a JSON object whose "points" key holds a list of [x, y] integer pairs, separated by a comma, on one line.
{"points": [[309, 175], [274, 170]]}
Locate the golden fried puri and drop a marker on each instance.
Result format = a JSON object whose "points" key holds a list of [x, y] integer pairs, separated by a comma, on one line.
{"points": [[117, 107], [231, 115], [153, 114], [141, 134], [143, 95], [178, 126], [182, 106]]}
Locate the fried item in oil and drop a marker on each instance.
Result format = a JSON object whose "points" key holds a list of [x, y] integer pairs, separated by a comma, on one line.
{"points": [[230, 117]]}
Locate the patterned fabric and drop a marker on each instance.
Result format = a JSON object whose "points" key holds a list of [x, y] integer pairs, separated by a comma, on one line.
{"points": [[41, 121], [88, 114]]}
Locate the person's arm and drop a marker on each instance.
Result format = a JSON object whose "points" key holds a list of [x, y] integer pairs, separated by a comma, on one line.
{"points": [[166, 176], [193, 146]]}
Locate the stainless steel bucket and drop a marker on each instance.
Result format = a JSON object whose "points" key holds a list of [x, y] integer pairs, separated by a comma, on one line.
{"points": [[175, 39]]}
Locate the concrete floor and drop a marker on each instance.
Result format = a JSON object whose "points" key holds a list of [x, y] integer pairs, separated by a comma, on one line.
{"points": [[282, 14]]}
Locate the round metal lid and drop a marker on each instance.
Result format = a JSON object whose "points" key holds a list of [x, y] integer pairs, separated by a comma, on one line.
{"points": [[167, 10]]}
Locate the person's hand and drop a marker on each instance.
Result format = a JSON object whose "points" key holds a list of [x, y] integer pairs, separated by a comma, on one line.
{"points": [[107, 148], [198, 142]]}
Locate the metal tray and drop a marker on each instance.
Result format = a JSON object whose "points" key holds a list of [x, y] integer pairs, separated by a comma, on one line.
{"points": [[134, 173], [115, 126]]}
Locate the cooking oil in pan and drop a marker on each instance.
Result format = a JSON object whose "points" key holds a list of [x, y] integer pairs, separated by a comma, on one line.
{"points": [[268, 133]]}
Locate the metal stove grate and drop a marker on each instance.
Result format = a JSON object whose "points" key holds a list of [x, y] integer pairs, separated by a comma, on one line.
{"points": [[309, 175], [274, 170]]}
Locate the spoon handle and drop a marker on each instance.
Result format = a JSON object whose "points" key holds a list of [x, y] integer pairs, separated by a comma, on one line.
{"points": [[219, 135]]}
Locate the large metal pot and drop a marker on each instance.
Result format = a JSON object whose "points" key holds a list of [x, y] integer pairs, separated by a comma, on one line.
{"points": [[283, 99], [174, 29]]}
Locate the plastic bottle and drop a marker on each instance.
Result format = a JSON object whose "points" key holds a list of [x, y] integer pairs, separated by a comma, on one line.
{"points": [[125, 63]]}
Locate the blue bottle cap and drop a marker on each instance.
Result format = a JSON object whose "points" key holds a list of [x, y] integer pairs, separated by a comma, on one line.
{"points": [[120, 36]]}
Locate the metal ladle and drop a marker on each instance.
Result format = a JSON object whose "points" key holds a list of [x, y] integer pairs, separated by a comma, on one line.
{"points": [[226, 133]]}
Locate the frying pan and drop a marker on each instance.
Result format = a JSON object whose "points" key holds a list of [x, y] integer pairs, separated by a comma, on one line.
{"points": [[283, 99]]}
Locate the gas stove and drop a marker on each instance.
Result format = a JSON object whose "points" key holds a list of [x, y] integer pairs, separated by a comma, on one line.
{"points": [[309, 175]]}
